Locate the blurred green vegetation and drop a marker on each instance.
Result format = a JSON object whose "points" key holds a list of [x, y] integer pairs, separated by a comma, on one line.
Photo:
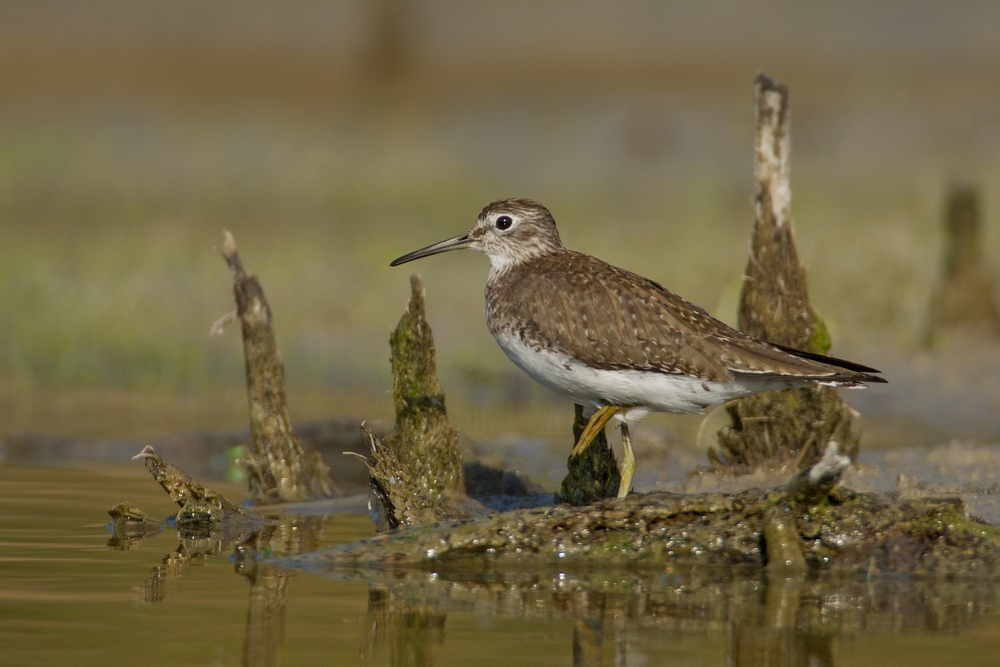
{"points": [[124, 153], [108, 278]]}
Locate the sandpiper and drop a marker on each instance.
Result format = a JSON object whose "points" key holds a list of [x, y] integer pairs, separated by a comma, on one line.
{"points": [[614, 341]]}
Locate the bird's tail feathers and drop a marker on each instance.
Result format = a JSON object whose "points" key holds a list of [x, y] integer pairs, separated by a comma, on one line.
{"points": [[856, 375]]}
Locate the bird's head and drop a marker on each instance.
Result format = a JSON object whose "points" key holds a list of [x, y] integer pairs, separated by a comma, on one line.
{"points": [[508, 231]]}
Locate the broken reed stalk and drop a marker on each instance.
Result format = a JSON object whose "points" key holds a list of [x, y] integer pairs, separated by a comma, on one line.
{"points": [[278, 470], [966, 298], [776, 428]]}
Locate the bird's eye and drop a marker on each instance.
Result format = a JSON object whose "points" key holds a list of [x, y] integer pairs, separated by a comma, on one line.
{"points": [[504, 222]]}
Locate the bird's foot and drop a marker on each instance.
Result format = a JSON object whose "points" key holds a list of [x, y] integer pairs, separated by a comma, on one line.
{"points": [[597, 421]]}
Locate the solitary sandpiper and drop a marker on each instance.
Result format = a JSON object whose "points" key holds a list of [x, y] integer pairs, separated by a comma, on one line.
{"points": [[614, 341]]}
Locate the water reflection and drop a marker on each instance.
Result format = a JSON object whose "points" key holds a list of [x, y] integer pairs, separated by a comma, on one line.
{"points": [[282, 535], [599, 640], [412, 630], [265, 614], [773, 637], [191, 551], [769, 619], [265, 628], [766, 618]]}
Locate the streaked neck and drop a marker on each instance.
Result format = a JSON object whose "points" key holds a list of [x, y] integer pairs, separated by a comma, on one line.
{"points": [[502, 264], [513, 256]]}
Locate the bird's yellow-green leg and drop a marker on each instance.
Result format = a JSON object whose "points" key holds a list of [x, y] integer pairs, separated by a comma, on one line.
{"points": [[628, 463], [594, 426]]}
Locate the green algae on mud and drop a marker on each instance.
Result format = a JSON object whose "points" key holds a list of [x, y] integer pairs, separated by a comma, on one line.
{"points": [[841, 531]]}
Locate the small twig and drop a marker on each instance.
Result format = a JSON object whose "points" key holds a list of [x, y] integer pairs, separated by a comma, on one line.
{"points": [[220, 323]]}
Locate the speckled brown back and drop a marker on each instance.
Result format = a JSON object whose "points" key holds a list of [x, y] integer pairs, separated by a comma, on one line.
{"points": [[609, 318]]}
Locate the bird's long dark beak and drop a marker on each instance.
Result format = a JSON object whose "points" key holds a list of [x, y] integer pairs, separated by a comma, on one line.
{"points": [[456, 243]]}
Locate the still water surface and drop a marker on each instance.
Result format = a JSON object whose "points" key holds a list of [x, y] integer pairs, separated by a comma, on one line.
{"points": [[66, 598]]}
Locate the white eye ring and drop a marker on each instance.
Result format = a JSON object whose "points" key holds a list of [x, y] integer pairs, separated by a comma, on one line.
{"points": [[504, 222]]}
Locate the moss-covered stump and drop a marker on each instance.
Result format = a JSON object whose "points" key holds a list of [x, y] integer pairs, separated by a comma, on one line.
{"points": [[774, 302], [199, 505], [778, 428], [417, 474], [841, 530], [424, 442], [593, 475], [783, 428], [399, 499], [278, 470]]}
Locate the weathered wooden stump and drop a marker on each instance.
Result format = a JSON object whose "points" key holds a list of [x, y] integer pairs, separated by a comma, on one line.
{"points": [[792, 427], [278, 470]]}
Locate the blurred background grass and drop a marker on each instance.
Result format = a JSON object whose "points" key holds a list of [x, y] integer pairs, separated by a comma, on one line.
{"points": [[333, 137]]}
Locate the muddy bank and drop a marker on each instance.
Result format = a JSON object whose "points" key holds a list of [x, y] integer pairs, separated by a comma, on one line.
{"points": [[840, 531]]}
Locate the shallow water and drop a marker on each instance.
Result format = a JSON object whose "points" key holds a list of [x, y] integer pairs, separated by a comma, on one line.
{"points": [[67, 598]]}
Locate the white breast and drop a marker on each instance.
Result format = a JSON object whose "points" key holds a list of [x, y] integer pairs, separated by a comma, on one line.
{"points": [[656, 392]]}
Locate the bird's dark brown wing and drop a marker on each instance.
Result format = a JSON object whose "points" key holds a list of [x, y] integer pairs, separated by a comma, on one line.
{"points": [[610, 318]]}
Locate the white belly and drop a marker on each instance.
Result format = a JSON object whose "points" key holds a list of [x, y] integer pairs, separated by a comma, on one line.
{"points": [[647, 391]]}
